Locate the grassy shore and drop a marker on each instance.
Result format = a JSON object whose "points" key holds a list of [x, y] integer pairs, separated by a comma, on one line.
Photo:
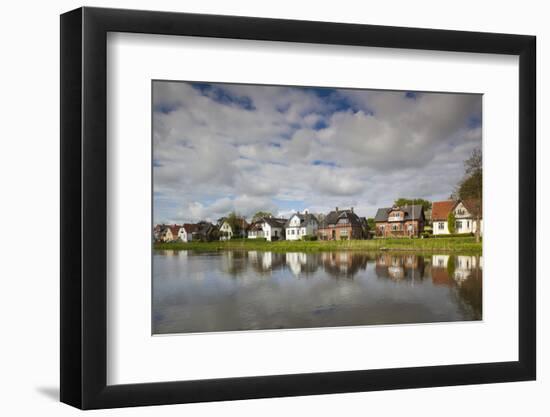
{"points": [[454, 244]]}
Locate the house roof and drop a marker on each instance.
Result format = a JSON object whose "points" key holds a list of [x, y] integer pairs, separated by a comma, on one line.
{"points": [[305, 219], [191, 228], [175, 228], [204, 228], [414, 211], [240, 220], [275, 222], [335, 215], [256, 226], [441, 209], [473, 206]]}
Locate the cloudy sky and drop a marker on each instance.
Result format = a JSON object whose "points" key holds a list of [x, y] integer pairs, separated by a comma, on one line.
{"points": [[223, 147]]}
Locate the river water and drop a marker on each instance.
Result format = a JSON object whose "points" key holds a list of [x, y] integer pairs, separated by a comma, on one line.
{"points": [[253, 290]]}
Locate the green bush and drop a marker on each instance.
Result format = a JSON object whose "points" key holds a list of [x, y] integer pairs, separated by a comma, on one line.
{"points": [[453, 235], [309, 238]]}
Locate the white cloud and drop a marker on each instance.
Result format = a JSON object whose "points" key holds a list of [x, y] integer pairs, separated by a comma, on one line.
{"points": [[214, 154]]}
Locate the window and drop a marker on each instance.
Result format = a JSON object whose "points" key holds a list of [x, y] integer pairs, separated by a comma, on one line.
{"points": [[292, 231], [394, 227], [468, 224], [458, 225], [441, 226]]}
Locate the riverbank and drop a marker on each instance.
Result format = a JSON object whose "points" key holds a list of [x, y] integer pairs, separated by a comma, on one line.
{"points": [[454, 244]]}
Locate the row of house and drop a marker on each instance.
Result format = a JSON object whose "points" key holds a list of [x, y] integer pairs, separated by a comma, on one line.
{"points": [[338, 224], [410, 220]]}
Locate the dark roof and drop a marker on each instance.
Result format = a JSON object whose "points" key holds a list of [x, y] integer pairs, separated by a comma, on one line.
{"points": [[305, 219], [335, 215], [411, 212], [275, 222], [204, 228]]}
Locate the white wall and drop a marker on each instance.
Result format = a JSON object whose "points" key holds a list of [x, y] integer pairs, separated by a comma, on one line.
{"points": [[30, 110]]}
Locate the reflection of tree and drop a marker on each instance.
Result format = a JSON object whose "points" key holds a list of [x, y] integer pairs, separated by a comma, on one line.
{"points": [[470, 291], [400, 266], [234, 263]]}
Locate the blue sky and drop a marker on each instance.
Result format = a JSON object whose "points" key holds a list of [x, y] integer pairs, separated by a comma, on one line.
{"points": [[223, 147]]}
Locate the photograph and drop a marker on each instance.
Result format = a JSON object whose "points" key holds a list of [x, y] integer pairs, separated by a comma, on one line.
{"points": [[291, 207]]}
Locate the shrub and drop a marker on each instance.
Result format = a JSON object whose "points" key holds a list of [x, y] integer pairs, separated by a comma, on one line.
{"points": [[453, 235], [451, 222], [309, 238]]}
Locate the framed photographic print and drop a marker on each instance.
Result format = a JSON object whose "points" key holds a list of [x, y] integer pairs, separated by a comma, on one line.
{"points": [[258, 208]]}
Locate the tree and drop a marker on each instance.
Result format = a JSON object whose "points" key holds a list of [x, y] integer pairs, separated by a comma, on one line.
{"points": [[371, 223], [401, 201], [451, 222], [471, 186], [235, 221], [260, 215]]}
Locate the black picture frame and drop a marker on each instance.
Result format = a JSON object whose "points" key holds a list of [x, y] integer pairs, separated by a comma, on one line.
{"points": [[84, 207]]}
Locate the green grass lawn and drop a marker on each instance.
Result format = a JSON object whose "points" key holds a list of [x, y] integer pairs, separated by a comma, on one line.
{"points": [[453, 244]]}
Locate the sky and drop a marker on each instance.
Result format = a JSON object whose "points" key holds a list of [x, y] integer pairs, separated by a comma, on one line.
{"points": [[221, 147]]}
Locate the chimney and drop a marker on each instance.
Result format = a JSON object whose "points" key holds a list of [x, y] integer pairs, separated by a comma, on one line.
{"points": [[352, 209], [306, 211], [336, 209]]}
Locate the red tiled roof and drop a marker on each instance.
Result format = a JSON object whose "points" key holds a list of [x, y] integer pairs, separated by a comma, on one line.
{"points": [[175, 229], [441, 209], [191, 228]]}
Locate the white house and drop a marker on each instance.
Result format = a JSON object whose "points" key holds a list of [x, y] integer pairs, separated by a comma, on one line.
{"points": [[186, 232], [169, 233], [227, 232], [273, 228], [301, 225], [255, 230], [465, 214]]}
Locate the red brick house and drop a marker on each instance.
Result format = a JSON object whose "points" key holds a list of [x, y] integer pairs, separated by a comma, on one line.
{"points": [[342, 225], [397, 221]]}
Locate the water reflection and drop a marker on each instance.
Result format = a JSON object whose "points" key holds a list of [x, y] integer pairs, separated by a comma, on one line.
{"points": [[239, 290]]}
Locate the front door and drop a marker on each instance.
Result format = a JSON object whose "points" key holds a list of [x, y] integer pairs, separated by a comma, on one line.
{"points": [[334, 235]]}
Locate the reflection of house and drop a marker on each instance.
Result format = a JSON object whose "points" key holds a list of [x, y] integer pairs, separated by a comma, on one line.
{"points": [[342, 225], [450, 268], [465, 211], [273, 228], [343, 264], [300, 225], [464, 267], [295, 261], [400, 221], [398, 267], [440, 261]]}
